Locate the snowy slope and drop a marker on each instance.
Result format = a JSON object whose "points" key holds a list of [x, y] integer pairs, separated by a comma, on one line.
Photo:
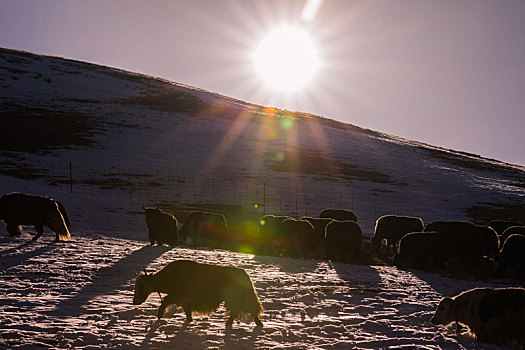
{"points": [[133, 140], [105, 141]]}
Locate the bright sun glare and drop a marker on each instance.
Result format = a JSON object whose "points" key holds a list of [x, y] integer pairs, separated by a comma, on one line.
{"points": [[286, 59]]}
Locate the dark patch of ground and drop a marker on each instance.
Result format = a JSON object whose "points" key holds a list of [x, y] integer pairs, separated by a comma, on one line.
{"points": [[37, 129], [485, 212], [472, 161], [309, 163], [167, 99]]}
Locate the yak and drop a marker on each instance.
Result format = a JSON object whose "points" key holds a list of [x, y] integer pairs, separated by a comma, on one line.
{"points": [[392, 228], [204, 228], [512, 257], [418, 250], [200, 288], [162, 226], [501, 225], [297, 238], [18, 209], [270, 234], [492, 315], [513, 230], [343, 240], [487, 241], [317, 245], [459, 238], [338, 214]]}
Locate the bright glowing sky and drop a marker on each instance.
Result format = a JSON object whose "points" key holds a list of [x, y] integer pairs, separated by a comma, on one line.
{"points": [[449, 73]]}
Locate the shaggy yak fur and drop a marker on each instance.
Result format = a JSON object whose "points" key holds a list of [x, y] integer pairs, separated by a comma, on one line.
{"points": [[18, 209], [493, 315], [513, 230], [418, 250], [201, 288], [343, 241], [392, 228], [501, 225], [204, 229], [162, 226], [512, 257], [338, 214]]}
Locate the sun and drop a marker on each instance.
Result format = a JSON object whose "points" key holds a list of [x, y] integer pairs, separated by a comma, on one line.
{"points": [[286, 59]]}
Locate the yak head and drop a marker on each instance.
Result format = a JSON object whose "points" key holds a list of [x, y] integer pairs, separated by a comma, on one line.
{"points": [[56, 222], [445, 312], [143, 288]]}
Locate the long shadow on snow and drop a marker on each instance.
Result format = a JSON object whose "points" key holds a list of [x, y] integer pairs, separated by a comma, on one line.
{"points": [[109, 279], [302, 285], [450, 286], [8, 260]]}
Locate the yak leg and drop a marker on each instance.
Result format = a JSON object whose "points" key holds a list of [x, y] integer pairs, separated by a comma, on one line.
{"points": [[233, 316], [256, 319], [13, 230], [188, 314], [39, 231], [162, 308]]}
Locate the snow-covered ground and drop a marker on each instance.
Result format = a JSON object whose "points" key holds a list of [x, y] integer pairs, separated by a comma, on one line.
{"points": [[79, 295]]}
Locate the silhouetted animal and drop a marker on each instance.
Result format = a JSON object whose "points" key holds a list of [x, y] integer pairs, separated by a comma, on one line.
{"points": [[418, 250], [201, 288], [493, 315], [270, 234], [298, 238], [317, 246], [338, 214], [501, 225], [22, 209], [162, 226], [392, 228], [457, 238], [513, 230], [487, 241], [512, 257], [343, 241], [204, 228]]}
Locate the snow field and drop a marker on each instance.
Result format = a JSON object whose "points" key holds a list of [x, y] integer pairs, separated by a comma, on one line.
{"points": [[79, 294]]}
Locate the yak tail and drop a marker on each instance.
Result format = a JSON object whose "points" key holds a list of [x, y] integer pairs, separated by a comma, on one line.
{"points": [[57, 224], [64, 214]]}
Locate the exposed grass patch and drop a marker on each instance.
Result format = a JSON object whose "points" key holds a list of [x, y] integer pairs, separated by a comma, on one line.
{"points": [[36, 129], [309, 163]]}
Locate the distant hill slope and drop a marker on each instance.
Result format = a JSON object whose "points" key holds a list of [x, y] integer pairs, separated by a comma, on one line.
{"points": [[106, 141]]}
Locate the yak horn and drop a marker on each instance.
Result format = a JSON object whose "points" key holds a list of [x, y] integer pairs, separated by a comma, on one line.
{"points": [[145, 272], [143, 207]]}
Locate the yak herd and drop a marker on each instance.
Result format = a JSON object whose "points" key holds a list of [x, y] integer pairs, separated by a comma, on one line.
{"points": [[493, 315]]}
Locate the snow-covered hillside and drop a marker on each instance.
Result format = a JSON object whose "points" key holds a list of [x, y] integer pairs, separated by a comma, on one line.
{"points": [[105, 142], [131, 140]]}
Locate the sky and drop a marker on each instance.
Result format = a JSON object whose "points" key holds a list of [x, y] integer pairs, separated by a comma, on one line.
{"points": [[448, 73]]}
